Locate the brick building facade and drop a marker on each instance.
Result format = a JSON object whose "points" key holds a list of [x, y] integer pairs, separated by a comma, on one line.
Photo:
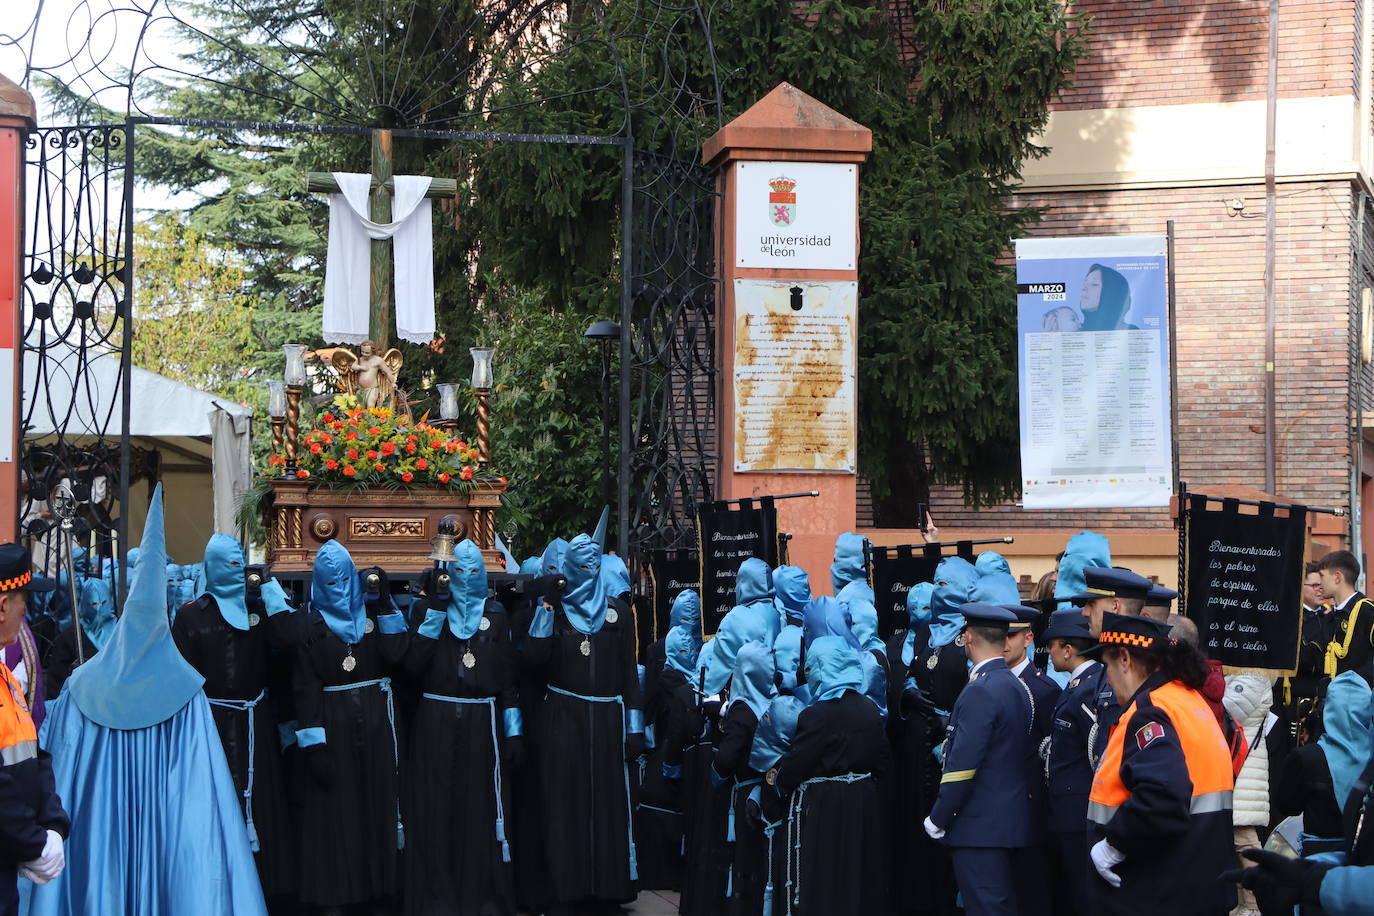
{"points": [[1167, 121]]}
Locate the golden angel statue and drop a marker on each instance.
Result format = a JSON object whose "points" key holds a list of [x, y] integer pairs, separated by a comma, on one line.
{"points": [[369, 377]]}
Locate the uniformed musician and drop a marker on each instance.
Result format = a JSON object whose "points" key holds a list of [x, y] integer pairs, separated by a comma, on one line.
{"points": [[1159, 813], [984, 809], [1071, 759]]}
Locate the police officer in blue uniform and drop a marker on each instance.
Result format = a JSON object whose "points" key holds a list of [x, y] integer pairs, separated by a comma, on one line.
{"points": [[1110, 590], [1159, 602], [985, 809], [1071, 759]]}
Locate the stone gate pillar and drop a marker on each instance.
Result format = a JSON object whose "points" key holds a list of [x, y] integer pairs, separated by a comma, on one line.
{"points": [[788, 173], [17, 119]]}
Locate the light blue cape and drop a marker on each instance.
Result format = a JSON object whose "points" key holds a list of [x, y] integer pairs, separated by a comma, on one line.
{"points": [[774, 735], [139, 678], [849, 561], [225, 580], [752, 683], [917, 613], [1345, 740], [584, 600], [858, 597], [615, 576], [832, 667], [787, 655], [1084, 549], [467, 593], [97, 612], [753, 618], [336, 594], [990, 561], [826, 616], [995, 588]]}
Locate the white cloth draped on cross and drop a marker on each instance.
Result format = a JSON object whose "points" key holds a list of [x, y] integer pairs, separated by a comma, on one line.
{"points": [[348, 268]]}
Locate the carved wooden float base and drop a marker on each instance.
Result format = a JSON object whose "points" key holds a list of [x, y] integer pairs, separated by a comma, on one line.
{"points": [[380, 527]]}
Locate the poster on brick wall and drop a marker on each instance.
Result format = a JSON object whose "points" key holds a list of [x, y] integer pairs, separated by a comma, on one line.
{"points": [[1093, 370]]}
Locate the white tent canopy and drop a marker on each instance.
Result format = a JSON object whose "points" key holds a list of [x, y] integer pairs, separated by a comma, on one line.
{"points": [[57, 400]]}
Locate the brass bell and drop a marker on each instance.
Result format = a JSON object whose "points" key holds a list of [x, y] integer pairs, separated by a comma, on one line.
{"points": [[443, 543]]}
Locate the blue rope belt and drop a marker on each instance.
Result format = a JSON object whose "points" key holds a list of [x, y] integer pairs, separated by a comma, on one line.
{"points": [[794, 816], [385, 684], [247, 706], [629, 805], [490, 703]]}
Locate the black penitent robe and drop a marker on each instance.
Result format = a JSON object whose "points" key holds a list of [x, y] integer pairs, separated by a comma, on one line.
{"points": [[583, 773], [61, 660], [348, 792], [835, 827], [748, 866], [706, 859], [531, 870], [943, 682], [676, 720], [235, 664], [455, 860]]}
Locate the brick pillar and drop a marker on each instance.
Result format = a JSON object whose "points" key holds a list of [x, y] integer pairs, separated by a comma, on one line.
{"points": [[17, 118], [785, 127]]}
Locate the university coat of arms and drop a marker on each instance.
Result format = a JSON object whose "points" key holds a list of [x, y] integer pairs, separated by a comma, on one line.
{"points": [[782, 201]]}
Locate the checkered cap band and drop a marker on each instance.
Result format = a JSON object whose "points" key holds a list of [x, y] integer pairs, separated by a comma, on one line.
{"points": [[1127, 639], [19, 581]]}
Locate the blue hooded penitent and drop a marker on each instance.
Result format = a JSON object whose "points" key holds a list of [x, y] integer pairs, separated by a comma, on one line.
{"points": [[1345, 741], [858, 597], [225, 581], [335, 593], [154, 680], [990, 561], [584, 599], [774, 735], [826, 616], [849, 561], [552, 559], [958, 579], [615, 577], [957, 573], [137, 760], [752, 618], [467, 594], [531, 567], [753, 683], [1084, 549], [917, 613], [685, 614], [680, 652], [97, 612], [793, 589], [832, 667]]}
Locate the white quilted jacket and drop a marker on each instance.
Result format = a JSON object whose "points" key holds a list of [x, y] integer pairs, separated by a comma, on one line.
{"points": [[1248, 698]]}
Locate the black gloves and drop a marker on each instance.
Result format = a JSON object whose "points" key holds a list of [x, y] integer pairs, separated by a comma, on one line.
{"points": [[916, 701], [634, 745], [317, 760], [710, 709], [513, 752], [1280, 883]]}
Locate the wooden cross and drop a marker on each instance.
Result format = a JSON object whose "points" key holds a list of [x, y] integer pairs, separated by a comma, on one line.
{"points": [[379, 315]]}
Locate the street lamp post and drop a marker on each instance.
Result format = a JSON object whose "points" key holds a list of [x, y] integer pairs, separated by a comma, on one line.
{"points": [[605, 333]]}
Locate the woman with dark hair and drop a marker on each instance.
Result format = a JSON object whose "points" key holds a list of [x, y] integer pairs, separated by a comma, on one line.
{"points": [[1159, 815], [1105, 300]]}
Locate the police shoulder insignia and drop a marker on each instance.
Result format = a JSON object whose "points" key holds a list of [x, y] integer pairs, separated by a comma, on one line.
{"points": [[1147, 734]]}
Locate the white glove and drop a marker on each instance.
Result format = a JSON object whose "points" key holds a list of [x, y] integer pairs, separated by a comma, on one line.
{"points": [[935, 833], [50, 862], [1104, 859]]}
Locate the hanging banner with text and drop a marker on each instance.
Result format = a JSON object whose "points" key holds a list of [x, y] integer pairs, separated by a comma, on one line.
{"points": [[1093, 347], [796, 366], [730, 534], [671, 573], [796, 215], [1243, 582], [893, 571]]}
